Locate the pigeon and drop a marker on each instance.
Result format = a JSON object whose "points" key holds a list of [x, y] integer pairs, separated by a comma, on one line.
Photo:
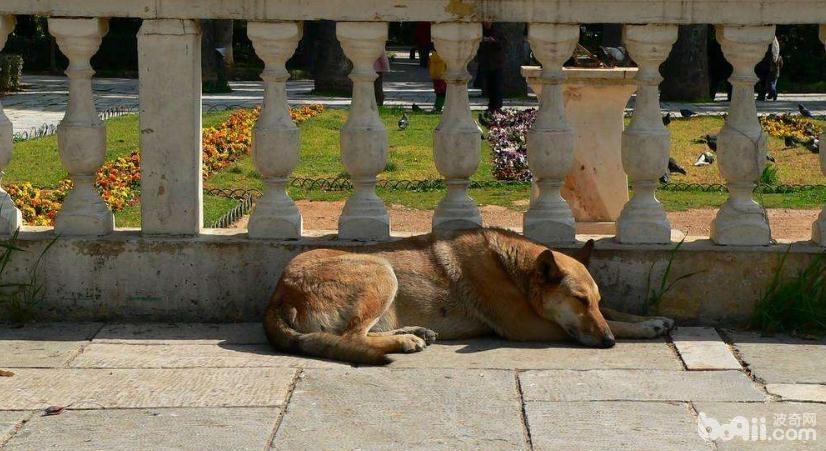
{"points": [[673, 166], [705, 159], [665, 178], [416, 108], [687, 113], [814, 145], [803, 110], [711, 142], [789, 141], [404, 121], [770, 158], [667, 119]]}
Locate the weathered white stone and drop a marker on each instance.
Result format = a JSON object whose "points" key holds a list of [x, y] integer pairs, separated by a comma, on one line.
{"points": [[781, 359], [363, 136], [646, 141], [276, 138], [81, 135], [10, 216], [819, 226], [726, 412], [741, 143], [183, 333], [34, 389], [550, 140], [492, 353], [798, 392], [638, 385], [179, 429], [370, 408], [701, 348], [457, 139], [596, 188], [170, 122], [612, 426], [9, 422], [105, 355]]}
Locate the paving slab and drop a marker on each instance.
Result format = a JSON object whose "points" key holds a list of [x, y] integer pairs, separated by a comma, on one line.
{"points": [[182, 333], [9, 422], [49, 345], [702, 348], [778, 416], [637, 385], [34, 389], [798, 392], [501, 354], [613, 426], [782, 359], [378, 408], [105, 355], [180, 429]]}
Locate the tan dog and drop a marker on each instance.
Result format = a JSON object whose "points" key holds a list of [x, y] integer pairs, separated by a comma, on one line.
{"points": [[360, 305]]}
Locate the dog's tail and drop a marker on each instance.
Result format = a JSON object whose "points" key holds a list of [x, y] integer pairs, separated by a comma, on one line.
{"points": [[318, 344]]}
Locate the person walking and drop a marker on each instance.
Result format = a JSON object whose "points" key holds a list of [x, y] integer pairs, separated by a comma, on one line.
{"points": [[491, 58], [774, 69], [437, 69], [381, 66]]}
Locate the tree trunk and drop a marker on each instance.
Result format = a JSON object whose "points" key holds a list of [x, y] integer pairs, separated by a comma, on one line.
{"points": [[223, 39], [685, 72], [330, 66], [512, 35], [213, 74]]}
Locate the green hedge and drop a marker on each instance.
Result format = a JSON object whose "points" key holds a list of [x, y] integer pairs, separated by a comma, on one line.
{"points": [[11, 72]]}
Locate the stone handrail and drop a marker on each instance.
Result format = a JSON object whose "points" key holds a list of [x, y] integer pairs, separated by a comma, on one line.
{"points": [[170, 107]]}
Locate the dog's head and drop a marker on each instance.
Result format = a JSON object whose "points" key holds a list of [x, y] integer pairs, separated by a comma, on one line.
{"points": [[564, 292]]}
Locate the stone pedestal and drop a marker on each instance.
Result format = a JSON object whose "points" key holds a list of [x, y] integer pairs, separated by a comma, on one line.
{"points": [[595, 99]]}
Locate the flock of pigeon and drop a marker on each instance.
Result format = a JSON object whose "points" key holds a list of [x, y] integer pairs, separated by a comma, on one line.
{"points": [[707, 157]]}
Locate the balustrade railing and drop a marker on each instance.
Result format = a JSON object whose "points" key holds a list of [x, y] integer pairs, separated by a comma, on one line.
{"points": [[170, 109]]}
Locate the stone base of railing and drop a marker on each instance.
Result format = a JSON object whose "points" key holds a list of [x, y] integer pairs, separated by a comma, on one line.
{"points": [[224, 276]]}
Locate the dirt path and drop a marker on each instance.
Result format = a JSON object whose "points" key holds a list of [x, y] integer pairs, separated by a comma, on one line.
{"points": [[786, 224]]}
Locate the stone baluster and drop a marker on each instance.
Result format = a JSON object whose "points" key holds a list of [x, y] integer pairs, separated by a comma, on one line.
{"points": [[742, 144], [551, 139], [275, 136], [363, 136], [819, 226], [457, 139], [10, 217], [646, 141], [81, 135]]}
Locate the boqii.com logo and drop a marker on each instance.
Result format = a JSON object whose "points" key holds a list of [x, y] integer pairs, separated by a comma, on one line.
{"points": [[783, 427]]}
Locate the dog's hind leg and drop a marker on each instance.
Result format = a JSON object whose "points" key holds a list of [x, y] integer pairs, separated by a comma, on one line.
{"points": [[425, 334]]}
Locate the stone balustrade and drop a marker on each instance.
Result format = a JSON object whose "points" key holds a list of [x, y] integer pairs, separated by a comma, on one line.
{"points": [[100, 271]]}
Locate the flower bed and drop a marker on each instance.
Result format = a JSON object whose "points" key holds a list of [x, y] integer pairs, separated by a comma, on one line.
{"points": [[506, 135], [119, 180], [799, 128]]}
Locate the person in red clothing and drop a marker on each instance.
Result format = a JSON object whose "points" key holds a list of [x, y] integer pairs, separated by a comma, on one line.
{"points": [[423, 42]]}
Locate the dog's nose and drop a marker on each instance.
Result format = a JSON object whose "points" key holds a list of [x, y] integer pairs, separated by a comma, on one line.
{"points": [[608, 341]]}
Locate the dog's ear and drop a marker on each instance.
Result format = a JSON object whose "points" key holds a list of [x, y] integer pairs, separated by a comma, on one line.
{"points": [[547, 267], [584, 255]]}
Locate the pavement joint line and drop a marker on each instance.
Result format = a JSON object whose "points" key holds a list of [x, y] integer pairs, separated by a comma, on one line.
{"points": [[522, 413], [669, 341], [82, 348], [761, 384], [17, 427], [283, 411], [692, 410]]}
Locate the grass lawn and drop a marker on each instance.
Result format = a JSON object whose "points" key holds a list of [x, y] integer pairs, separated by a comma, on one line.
{"points": [[410, 157]]}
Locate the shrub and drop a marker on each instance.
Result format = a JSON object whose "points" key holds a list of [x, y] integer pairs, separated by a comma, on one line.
{"points": [[11, 72]]}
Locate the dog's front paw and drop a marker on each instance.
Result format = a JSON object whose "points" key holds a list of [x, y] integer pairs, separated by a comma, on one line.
{"points": [[410, 343], [656, 327], [425, 334]]}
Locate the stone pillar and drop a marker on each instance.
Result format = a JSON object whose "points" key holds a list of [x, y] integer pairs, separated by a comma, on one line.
{"points": [[457, 139], [363, 136], [646, 141], [742, 143], [169, 55], [10, 217], [551, 139], [819, 226], [275, 136], [81, 135]]}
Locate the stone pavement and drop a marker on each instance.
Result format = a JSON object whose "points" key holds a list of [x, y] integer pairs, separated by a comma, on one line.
{"points": [[44, 100], [220, 386]]}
